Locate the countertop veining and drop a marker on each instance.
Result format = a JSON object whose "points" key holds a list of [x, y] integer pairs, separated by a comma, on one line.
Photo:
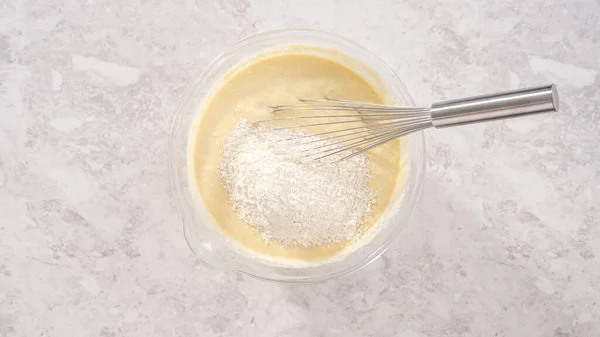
{"points": [[505, 240]]}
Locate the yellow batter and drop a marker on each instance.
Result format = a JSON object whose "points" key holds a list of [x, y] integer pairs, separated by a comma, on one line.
{"points": [[246, 94]]}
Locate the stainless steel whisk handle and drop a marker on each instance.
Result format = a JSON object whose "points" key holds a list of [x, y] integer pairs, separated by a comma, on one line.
{"points": [[502, 105]]}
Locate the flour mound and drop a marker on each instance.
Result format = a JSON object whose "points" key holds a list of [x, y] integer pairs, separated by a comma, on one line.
{"points": [[288, 199]]}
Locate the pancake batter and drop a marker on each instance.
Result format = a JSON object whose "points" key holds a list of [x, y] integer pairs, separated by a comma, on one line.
{"points": [[245, 95]]}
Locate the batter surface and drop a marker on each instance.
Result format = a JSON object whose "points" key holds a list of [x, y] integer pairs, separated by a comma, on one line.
{"points": [[246, 94]]}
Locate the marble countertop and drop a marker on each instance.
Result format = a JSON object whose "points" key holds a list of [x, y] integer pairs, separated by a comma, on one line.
{"points": [[505, 240]]}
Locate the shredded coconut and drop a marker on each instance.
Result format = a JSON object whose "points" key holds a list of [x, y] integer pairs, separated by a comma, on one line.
{"points": [[288, 199]]}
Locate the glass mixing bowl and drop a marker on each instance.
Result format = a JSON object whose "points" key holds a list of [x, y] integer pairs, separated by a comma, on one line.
{"points": [[204, 238]]}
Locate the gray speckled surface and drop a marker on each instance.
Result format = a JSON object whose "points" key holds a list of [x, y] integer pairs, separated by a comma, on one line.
{"points": [[505, 240]]}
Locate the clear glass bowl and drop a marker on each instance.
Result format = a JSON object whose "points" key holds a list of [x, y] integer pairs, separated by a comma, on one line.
{"points": [[202, 235]]}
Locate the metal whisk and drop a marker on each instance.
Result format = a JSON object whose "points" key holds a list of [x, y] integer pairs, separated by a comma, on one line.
{"points": [[367, 125]]}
